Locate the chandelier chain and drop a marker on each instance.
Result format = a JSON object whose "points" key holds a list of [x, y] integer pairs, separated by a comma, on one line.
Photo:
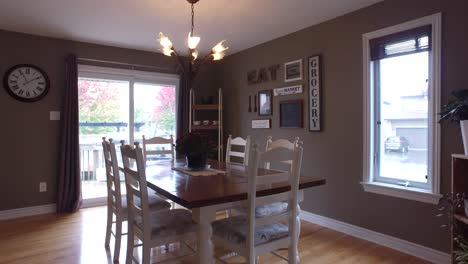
{"points": [[193, 15]]}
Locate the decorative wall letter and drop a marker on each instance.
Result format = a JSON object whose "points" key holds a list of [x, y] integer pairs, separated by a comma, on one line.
{"points": [[314, 93]]}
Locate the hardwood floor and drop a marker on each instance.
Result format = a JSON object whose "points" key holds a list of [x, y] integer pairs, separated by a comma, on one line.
{"points": [[79, 238]]}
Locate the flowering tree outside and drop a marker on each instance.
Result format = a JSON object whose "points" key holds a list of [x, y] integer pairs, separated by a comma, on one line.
{"points": [[165, 111], [98, 102]]}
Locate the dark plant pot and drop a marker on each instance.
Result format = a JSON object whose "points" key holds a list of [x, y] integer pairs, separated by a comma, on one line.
{"points": [[196, 162]]}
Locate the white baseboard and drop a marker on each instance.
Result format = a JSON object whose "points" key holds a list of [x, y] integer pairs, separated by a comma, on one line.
{"points": [[28, 211], [401, 245]]}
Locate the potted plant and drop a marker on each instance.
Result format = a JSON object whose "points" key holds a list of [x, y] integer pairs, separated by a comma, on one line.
{"points": [[456, 110], [195, 148], [448, 206], [461, 253]]}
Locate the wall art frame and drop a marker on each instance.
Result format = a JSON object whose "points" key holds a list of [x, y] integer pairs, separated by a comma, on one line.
{"points": [[261, 123], [265, 103], [292, 114], [293, 71], [315, 93]]}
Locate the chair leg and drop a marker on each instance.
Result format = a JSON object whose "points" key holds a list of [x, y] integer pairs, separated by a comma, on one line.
{"points": [[118, 238], [146, 255], [108, 227], [252, 259], [130, 245]]}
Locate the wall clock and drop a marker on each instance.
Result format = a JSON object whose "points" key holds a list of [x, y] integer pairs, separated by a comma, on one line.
{"points": [[27, 83]]}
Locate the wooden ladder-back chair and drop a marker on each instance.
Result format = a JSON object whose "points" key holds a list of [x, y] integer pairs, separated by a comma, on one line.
{"points": [[151, 228], [238, 142], [250, 236], [116, 203], [158, 141]]}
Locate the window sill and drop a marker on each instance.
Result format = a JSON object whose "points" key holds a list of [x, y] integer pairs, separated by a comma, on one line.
{"points": [[409, 193]]}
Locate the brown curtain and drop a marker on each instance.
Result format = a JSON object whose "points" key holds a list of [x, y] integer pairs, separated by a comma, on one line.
{"points": [[183, 105], [69, 183]]}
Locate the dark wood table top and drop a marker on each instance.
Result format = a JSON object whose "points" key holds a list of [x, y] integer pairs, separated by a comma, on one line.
{"points": [[199, 191]]}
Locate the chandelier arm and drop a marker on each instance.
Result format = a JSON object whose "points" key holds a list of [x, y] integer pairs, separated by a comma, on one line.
{"points": [[201, 62], [179, 60]]}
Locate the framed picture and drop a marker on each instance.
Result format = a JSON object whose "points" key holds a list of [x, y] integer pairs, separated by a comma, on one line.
{"points": [[265, 106], [314, 93], [291, 114], [293, 71], [296, 89], [261, 123]]}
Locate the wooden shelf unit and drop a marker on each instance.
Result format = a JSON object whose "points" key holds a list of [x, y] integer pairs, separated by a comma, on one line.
{"points": [[218, 128], [459, 185], [205, 107]]}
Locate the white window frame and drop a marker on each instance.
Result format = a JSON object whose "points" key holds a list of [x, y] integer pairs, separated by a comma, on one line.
{"points": [[431, 195], [131, 76]]}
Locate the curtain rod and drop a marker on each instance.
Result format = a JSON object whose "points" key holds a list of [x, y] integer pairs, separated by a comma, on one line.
{"points": [[124, 64]]}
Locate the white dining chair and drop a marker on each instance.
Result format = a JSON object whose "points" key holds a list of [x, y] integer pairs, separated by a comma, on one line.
{"points": [[270, 144], [116, 203], [151, 228], [250, 236], [150, 147], [241, 150]]}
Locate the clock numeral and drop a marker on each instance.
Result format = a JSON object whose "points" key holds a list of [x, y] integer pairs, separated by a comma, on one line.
{"points": [[15, 87], [20, 92], [40, 83], [16, 76], [28, 70], [13, 81], [40, 89], [35, 94], [20, 72], [28, 94]]}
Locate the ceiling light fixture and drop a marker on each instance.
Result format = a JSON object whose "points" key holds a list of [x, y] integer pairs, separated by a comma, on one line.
{"points": [[217, 52]]}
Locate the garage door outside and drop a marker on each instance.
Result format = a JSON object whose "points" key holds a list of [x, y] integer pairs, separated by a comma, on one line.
{"points": [[417, 136]]}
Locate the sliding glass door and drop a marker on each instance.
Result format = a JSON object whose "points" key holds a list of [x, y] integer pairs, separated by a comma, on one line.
{"points": [[122, 105]]}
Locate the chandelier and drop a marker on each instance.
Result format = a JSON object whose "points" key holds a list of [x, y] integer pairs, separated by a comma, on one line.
{"points": [[217, 52]]}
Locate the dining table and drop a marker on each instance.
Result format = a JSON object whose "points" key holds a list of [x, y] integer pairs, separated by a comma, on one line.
{"points": [[207, 195]]}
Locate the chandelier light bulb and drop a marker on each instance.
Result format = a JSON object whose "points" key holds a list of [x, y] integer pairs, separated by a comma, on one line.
{"points": [[167, 51], [219, 48], [193, 41], [218, 56], [165, 41], [194, 54]]}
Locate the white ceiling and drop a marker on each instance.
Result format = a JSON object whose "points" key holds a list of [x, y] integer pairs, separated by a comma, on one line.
{"points": [[136, 23]]}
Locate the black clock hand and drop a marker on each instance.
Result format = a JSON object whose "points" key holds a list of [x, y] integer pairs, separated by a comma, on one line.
{"points": [[24, 77], [32, 80]]}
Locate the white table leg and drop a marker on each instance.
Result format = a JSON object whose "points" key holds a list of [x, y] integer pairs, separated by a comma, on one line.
{"points": [[204, 216]]}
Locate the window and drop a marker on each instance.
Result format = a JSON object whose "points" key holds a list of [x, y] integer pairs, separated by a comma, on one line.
{"points": [[401, 102], [122, 105]]}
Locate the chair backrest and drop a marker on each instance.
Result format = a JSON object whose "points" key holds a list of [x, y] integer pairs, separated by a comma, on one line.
{"points": [[114, 194], [137, 191], [280, 143], [275, 155], [158, 141], [238, 143]]}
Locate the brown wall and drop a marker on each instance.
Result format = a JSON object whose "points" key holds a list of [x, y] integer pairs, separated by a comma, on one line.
{"points": [[336, 152], [30, 141]]}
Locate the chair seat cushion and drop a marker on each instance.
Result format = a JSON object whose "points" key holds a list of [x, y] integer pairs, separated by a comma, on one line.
{"points": [[234, 229], [170, 223], [270, 209], [266, 209], [155, 202]]}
